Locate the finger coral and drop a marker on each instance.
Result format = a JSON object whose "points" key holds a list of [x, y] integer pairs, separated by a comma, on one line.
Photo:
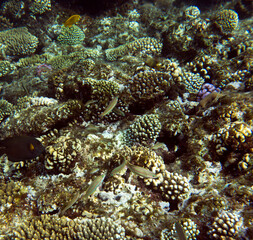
{"points": [[226, 225], [144, 130], [54, 227]]}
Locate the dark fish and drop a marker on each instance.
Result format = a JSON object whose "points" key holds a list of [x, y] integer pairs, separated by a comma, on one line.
{"points": [[180, 231], [21, 148]]}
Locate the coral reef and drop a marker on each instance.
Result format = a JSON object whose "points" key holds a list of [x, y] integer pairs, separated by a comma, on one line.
{"points": [[145, 113]]}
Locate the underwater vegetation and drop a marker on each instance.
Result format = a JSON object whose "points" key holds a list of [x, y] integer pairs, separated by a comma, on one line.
{"points": [[129, 120]]}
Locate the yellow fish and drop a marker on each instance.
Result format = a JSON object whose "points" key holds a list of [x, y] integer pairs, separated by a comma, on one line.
{"points": [[72, 20]]}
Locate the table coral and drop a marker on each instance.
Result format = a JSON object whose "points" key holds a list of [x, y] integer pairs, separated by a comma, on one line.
{"points": [[18, 41], [145, 46]]}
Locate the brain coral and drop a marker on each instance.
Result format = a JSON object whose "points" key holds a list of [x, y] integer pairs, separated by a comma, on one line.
{"points": [[71, 35], [18, 41], [40, 6], [227, 20]]}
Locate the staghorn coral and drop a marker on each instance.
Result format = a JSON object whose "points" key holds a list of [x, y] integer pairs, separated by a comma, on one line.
{"points": [[63, 228], [40, 119], [143, 46], [227, 20], [39, 6], [144, 130], [192, 82], [6, 67], [190, 229], [71, 35], [226, 225], [62, 154], [18, 41]]}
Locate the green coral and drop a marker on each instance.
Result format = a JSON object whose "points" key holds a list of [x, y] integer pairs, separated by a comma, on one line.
{"points": [[144, 130], [71, 35], [227, 20], [5, 68], [18, 41]]}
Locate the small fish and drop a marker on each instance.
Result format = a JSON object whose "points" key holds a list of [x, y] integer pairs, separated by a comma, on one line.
{"points": [[94, 185], [119, 112], [70, 204], [180, 231], [72, 20], [21, 148], [89, 103], [110, 107], [143, 172], [119, 168]]}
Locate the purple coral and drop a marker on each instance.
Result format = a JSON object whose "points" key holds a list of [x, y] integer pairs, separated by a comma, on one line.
{"points": [[206, 89], [43, 68]]}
